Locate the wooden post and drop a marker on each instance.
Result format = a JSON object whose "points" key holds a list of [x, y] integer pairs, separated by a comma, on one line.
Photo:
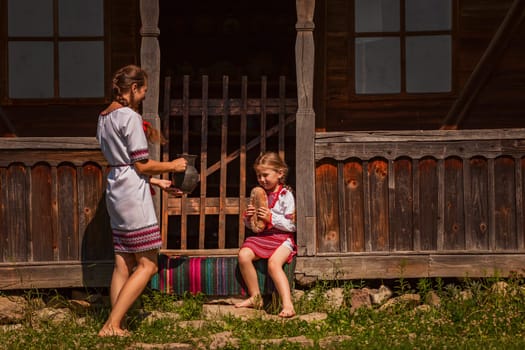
{"points": [[150, 62], [305, 128]]}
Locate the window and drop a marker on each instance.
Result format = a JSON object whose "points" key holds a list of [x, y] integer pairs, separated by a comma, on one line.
{"points": [[403, 46], [55, 49]]}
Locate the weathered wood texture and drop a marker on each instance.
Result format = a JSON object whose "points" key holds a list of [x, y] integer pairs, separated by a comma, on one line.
{"points": [[474, 24], [227, 134], [52, 211], [435, 191]]}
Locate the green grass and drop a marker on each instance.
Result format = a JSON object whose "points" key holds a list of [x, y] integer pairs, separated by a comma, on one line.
{"points": [[485, 319]]}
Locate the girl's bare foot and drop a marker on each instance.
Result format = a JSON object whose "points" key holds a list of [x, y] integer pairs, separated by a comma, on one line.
{"points": [[254, 302], [287, 312], [108, 331]]}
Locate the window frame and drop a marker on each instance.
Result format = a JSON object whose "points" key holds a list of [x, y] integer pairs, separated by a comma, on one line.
{"points": [[56, 39], [402, 34]]}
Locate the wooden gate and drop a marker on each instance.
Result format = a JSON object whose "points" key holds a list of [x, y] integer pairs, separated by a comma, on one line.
{"points": [[227, 134]]}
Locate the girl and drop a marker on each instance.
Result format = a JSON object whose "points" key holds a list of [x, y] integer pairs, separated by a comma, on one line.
{"points": [[276, 241], [136, 233]]}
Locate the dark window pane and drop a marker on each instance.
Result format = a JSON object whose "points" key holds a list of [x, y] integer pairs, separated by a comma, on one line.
{"points": [[428, 63], [377, 65]]}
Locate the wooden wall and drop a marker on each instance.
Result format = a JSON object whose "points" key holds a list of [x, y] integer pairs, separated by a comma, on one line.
{"points": [[435, 201], [498, 104], [54, 227]]}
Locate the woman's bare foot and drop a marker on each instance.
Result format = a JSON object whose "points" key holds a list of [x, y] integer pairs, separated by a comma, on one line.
{"points": [[287, 312], [108, 331], [254, 302]]}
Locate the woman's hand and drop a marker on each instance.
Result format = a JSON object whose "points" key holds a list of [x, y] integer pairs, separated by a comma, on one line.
{"points": [[165, 185], [179, 165]]}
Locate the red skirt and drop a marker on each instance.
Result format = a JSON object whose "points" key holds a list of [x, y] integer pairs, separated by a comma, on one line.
{"points": [[267, 242]]}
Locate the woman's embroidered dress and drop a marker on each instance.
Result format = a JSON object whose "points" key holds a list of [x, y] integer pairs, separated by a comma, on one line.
{"points": [[281, 228], [128, 198]]}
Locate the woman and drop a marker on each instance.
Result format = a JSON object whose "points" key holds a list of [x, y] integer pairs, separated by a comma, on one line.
{"points": [[136, 233]]}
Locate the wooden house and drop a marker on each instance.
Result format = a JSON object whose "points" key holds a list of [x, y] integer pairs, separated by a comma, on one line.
{"points": [[402, 121]]}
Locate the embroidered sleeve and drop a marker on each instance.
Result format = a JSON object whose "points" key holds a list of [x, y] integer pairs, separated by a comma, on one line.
{"points": [[283, 214], [137, 144]]}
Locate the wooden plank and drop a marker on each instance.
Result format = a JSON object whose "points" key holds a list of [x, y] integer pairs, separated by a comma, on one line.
{"points": [[216, 106], [4, 237], [165, 158], [373, 266], [367, 206], [223, 172], [263, 113], [67, 213], [438, 149], [212, 207], [420, 135], [394, 266], [185, 150], [242, 159], [401, 219], [478, 205], [354, 206], [441, 205], [341, 207], [17, 214], [520, 205], [416, 205], [51, 157], [379, 220], [282, 116], [492, 205], [327, 191], [67, 274], [429, 199], [41, 214], [505, 204], [454, 234], [204, 162], [49, 143]]}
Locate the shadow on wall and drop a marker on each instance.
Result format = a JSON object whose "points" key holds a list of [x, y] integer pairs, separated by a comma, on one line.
{"points": [[97, 255]]}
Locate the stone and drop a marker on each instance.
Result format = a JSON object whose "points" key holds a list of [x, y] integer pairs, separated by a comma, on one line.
{"points": [[12, 309]]}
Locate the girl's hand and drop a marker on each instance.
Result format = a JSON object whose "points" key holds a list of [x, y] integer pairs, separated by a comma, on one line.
{"points": [[179, 165], [250, 211], [264, 214]]}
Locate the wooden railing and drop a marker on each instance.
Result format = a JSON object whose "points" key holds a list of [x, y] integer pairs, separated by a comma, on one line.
{"points": [[54, 228], [227, 134]]}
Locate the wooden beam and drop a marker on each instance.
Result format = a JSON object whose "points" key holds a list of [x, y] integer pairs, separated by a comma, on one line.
{"points": [[150, 62], [409, 265], [485, 66], [305, 127]]}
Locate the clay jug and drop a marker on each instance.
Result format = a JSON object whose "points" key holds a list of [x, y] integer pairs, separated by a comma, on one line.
{"points": [[188, 180]]}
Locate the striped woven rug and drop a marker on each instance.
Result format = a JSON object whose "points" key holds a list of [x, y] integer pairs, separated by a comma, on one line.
{"points": [[218, 276]]}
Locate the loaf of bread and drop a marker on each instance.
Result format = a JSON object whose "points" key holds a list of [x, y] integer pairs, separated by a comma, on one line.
{"points": [[259, 200]]}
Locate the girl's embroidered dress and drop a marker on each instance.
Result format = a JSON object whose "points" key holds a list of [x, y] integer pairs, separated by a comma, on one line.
{"points": [[282, 227], [128, 198]]}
